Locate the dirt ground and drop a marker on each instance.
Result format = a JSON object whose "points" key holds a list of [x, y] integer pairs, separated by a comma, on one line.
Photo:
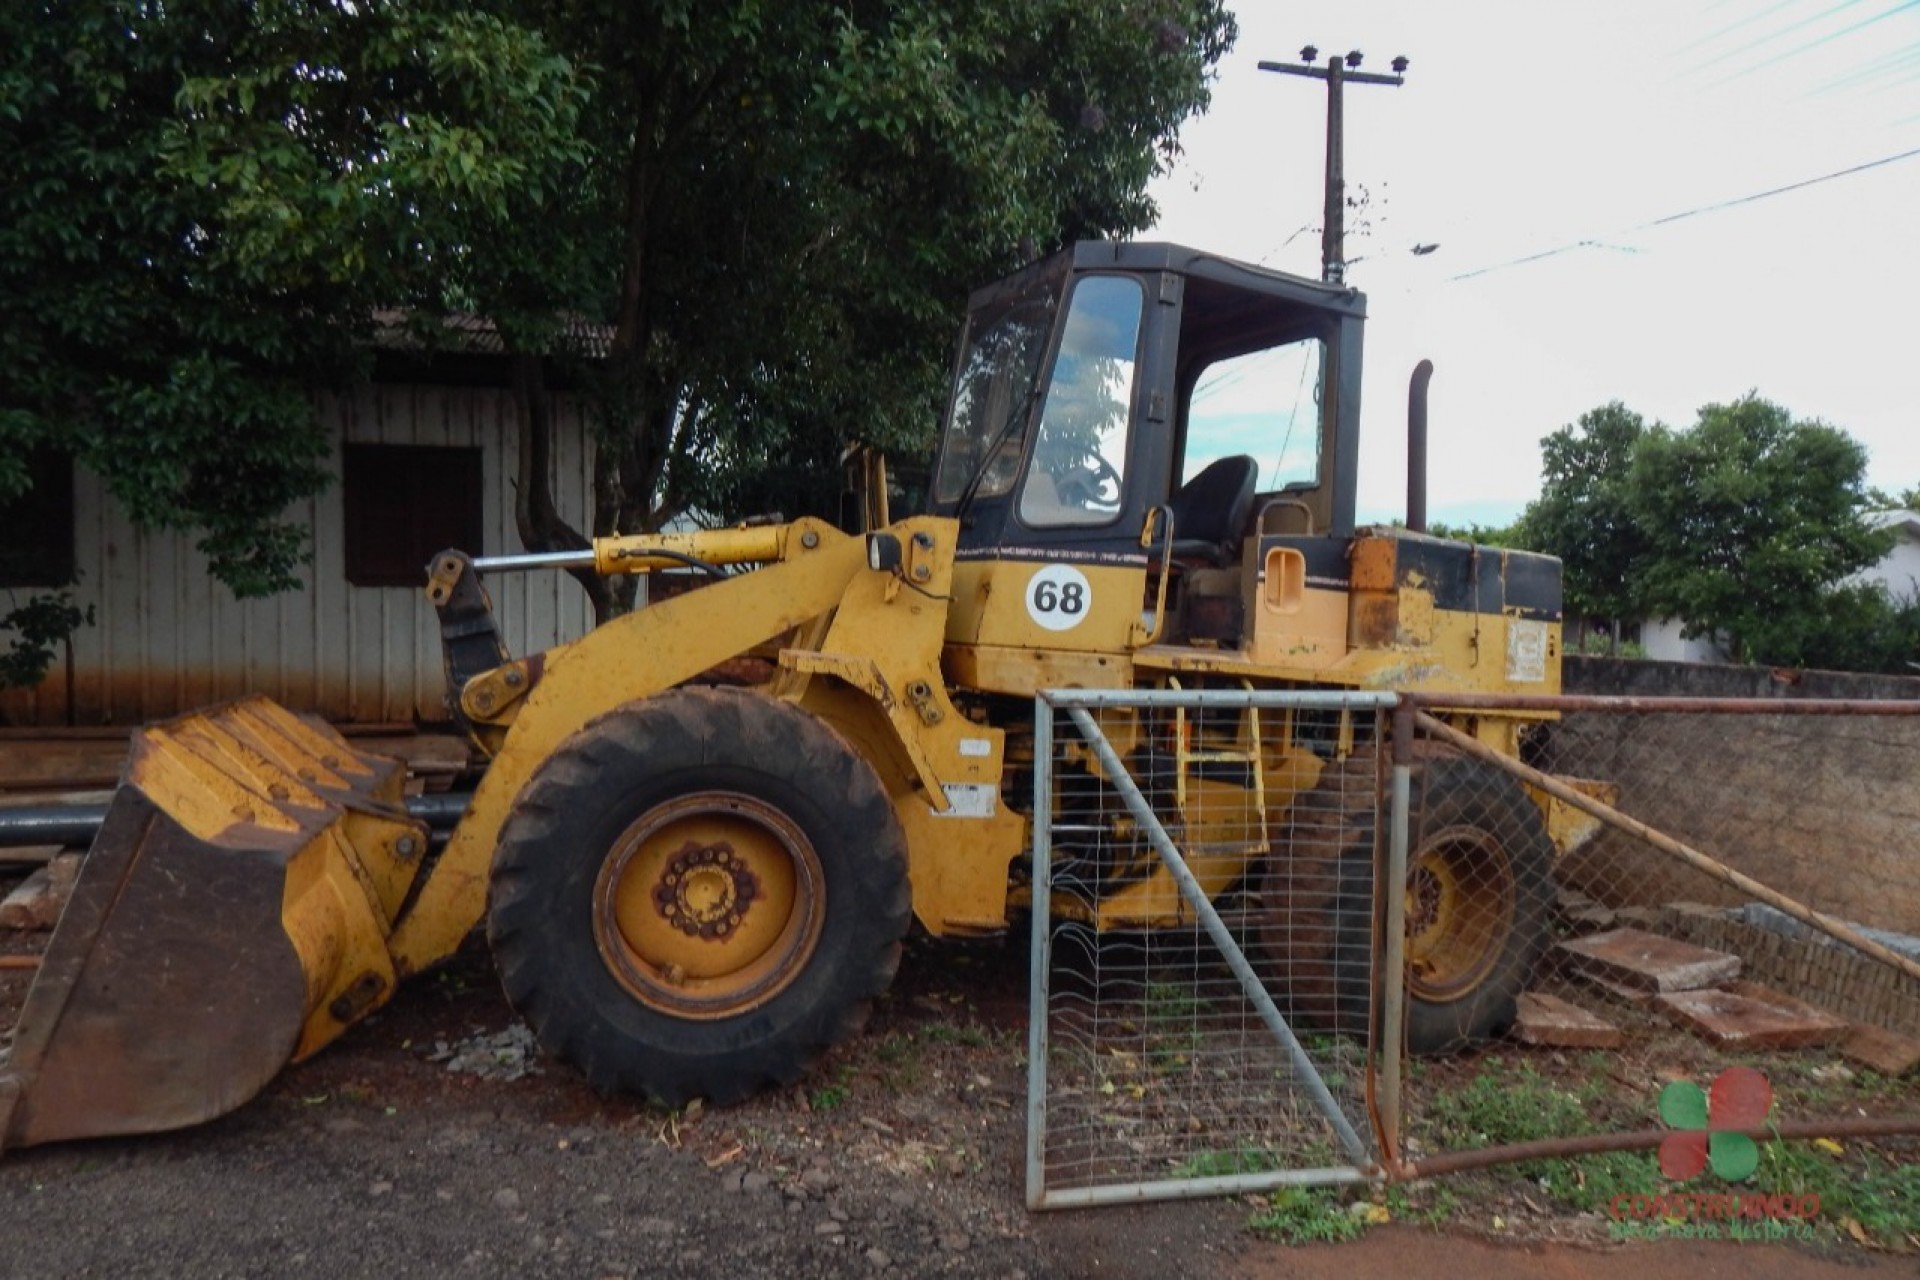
{"points": [[902, 1155]]}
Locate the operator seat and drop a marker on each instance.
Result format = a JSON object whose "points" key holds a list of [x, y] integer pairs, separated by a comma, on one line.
{"points": [[1210, 510]]}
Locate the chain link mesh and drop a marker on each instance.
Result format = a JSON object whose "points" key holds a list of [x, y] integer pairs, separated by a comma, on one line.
{"points": [[1665, 945]]}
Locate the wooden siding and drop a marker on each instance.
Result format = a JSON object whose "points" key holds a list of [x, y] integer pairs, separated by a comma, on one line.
{"points": [[168, 637]]}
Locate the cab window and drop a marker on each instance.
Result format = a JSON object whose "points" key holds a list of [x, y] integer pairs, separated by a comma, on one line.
{"points": [[1265, 404], [1078, 470]]}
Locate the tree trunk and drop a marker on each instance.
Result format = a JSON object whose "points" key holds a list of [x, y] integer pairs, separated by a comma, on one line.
{"points": [[535, 516]]}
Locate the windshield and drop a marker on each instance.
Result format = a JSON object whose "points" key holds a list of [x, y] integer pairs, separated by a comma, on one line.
{"points": [[993, 398], [1265, 404], [1080, 457]]}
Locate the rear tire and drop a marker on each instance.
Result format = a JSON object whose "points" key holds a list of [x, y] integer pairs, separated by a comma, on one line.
{"points": [[697, 894], [1479, 886]]}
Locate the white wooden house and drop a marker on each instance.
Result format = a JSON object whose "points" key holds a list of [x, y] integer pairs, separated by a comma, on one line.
{"points": [[425, 457]]}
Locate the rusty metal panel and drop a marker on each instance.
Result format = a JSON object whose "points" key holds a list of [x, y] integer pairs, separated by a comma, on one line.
{"points": [[168, 638]]}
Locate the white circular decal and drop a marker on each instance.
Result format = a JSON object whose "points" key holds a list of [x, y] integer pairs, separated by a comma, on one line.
{"points": [[1058, 597]]}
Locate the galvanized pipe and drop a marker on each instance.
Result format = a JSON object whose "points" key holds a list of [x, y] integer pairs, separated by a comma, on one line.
{"points": [[1040, 954], [1232, 1184], [77, 824], [1312, 700]]}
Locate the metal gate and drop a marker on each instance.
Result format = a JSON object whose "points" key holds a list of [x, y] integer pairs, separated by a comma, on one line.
{"points": [[1202, 1015]]}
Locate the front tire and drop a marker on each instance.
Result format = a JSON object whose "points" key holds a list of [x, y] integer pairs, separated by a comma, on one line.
{"points": [[697, 894]]}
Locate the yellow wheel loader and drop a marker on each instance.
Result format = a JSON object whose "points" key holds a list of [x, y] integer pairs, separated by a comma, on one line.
{"points": [[1145, 479]]}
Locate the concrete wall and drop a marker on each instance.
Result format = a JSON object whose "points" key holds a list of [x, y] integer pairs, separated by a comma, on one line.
{"points": [[1823, 808]]}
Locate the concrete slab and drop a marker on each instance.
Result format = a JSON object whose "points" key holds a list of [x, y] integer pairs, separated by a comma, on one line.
{"points": [[1648, 961], [1556, 1023], [1749, 1016], [1887, 1052]]}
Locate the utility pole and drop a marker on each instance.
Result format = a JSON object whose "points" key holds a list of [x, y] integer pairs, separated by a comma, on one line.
{"points": [[1338, 73]]}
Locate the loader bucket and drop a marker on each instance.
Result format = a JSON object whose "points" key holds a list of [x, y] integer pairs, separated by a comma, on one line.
{"points": [[231, 916]]}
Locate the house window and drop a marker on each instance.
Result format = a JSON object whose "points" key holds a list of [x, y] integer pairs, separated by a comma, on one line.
{"points": [[36, 528], [403, 503]]}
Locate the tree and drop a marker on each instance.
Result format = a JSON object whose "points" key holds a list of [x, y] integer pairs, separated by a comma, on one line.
{"points": [[775, 211], [203, 205], [1753, 522], [1584, 514], [786, 205]]}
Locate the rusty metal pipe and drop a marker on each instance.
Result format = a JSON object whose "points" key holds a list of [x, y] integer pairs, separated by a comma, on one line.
{"points": [[1589, 1144], [1620, 703], [1839, 930], [1417, 446]]}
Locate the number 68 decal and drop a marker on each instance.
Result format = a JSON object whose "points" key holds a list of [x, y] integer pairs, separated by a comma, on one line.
{"points": [[1059, 597]]}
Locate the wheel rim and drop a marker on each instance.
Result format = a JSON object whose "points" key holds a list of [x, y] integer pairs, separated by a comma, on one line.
{"points": [[1459, 908], [709, 905]]}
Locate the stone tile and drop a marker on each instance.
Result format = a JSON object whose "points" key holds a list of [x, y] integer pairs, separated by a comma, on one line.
{"points": [[1550, 1021], [1749, 1016], [1648, 961], [1888, 1052]]}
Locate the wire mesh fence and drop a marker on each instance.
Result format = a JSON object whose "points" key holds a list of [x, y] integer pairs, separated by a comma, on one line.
{"points": [[1650, 894], [1202, 1008], [1599, 899]]}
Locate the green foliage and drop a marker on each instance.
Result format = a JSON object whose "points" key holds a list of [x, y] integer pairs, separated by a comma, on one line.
{"points": [[202, 207], [777, 211], [786, 206], [1584, 513], [1245, 1158], [1307, 1215], [38, 628], [1753, 519], [1601, 644], [1485, 535], [1505, 1104], [1882, 1195], [1744, 527]]}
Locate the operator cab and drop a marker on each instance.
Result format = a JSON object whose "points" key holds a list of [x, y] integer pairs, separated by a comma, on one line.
{"points": [[1124, 413]]}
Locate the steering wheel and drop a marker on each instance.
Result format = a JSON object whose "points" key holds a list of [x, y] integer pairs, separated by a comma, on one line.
{"points": [[1088, 487]]}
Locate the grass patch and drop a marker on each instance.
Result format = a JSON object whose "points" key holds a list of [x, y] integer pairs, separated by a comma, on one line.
{"points": [[1245, 1158], [969, 1037], [1307, 1215], [1505, 1104], [1881, 1196]]}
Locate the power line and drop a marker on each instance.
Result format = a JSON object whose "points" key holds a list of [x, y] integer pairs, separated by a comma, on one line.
{"points": [[1695, 212], [1775, 191]]}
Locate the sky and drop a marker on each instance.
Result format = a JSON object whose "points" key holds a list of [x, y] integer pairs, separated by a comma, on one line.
{"points": [[1563, 130]]}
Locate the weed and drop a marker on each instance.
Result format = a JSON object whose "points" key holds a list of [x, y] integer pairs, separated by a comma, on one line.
{"points": [[1306, 1215], [1505, 1104], [827, 1097], [1883, 1197], [1245, 1158], [1429, 1204], [969, 1037]]}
